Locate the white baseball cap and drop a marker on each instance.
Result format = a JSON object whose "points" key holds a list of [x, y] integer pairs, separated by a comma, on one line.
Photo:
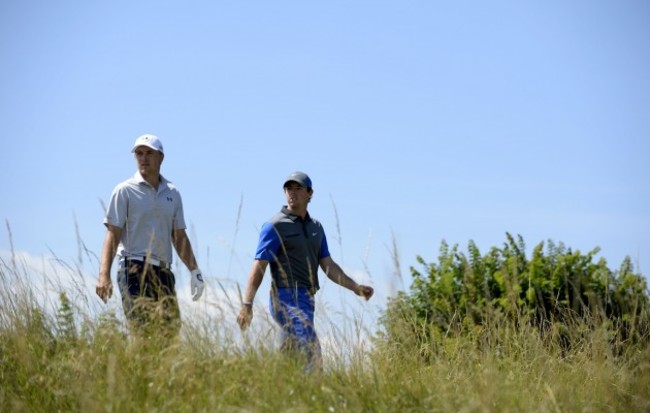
{"points": [[149, 140]]}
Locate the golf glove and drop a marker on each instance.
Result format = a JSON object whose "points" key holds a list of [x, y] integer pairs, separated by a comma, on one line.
{"points": [[197, 284]]}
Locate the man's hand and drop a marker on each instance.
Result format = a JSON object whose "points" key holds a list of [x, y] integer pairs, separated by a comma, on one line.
{"points": [[197, 285], [104, 288], [365, 291], [245, 316]]}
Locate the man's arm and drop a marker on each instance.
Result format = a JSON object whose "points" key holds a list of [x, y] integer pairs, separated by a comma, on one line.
{"points": [[184, 248], [185, 253], [336, 274], [104, 287], [255, 277]]}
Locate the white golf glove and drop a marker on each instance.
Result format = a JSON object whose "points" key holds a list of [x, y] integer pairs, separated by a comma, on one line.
{"points": [[196, 284]]}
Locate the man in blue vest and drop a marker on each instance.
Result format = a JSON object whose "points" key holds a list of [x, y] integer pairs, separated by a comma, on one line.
{"points": [[295, 245]]}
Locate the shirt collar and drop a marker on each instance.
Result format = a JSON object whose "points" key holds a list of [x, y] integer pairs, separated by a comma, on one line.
{"points": [[140, 180], [293, 216]]}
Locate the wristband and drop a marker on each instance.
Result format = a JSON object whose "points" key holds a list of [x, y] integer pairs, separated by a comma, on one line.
{"points": [[248, 303]]}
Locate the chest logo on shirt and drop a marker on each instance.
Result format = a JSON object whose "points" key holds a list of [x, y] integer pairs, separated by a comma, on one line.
{"points": [[313, 234]]}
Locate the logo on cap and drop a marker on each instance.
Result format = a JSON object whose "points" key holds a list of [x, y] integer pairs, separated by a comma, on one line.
{"points": [[300, 177], [151, 141]]}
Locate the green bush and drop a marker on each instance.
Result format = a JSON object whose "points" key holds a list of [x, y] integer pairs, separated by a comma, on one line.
{"points": [[564, 294]]}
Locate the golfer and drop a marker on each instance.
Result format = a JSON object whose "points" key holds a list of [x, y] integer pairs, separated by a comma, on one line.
{"points": [[295, 245], [143, 220]]}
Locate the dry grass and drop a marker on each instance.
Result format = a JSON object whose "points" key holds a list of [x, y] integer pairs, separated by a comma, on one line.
{"points": [[79, 358]]}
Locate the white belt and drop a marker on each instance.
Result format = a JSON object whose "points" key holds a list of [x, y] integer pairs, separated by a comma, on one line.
{"points": [[149, 260]]}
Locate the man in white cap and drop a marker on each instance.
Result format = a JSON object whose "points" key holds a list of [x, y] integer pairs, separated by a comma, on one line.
{"points": [[143, 220], [295, 245]]}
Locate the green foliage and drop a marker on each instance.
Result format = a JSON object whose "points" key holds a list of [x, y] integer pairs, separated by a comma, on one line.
{"points": [[556, 291], [494, 367], [61, 359], [66, 329]]}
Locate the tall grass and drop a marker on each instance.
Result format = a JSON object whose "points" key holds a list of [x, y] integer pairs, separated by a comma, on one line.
{"points": [[63, 356], [506, 366]]}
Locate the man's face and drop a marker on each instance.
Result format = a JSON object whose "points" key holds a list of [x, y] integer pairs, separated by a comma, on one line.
{"points": [[297, 195], [148, 160]]}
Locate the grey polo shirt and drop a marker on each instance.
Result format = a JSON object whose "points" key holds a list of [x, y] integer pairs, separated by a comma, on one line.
{"points": [[146, 216], [294, 247]]}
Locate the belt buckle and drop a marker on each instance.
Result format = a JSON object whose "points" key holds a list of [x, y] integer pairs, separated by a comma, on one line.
{"points": [[157, 263], [151, 261]]}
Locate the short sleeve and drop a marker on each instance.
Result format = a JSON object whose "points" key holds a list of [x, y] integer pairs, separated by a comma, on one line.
{"points": [[269, 243], [116, 212], [324, 250], [179, 215]]}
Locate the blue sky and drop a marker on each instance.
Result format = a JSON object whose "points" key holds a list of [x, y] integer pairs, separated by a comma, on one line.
{"points": [[417, 121]]}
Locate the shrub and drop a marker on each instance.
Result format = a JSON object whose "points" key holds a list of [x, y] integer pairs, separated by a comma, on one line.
{"points": [[563, 293]]}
